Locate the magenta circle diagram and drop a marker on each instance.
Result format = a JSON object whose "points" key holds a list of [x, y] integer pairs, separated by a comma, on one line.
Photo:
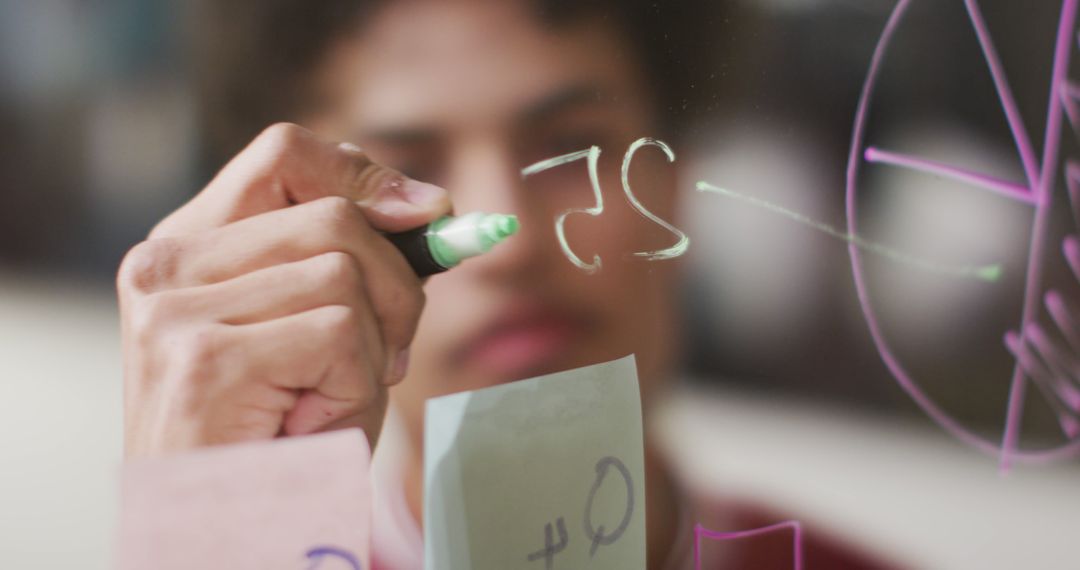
{"points": [[1040, 358]]}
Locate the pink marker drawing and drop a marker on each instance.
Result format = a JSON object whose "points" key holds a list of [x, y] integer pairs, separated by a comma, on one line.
{"points": [[1038, 359], [701, 532]]}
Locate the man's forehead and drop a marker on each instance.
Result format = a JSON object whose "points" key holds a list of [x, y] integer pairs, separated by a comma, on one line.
{"points": [[547, 105], [497, 63]]}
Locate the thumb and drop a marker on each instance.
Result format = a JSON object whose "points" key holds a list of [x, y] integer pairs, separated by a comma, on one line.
{"points": [[391, 201]]}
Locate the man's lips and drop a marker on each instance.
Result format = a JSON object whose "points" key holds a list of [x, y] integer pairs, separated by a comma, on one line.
{"points": [[521, 344]]}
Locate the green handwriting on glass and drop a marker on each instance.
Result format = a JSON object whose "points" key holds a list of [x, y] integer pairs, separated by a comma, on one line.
{"points": [[983, 272], [592, 156]]}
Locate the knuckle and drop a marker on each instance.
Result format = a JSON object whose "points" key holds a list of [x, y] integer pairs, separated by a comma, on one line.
{"points": [[278, 141], [152, 316], [152, 313], [365, 399], [339, 217], [148, 265], [281, 135], [339, 271], [362, 175], [338, 207], [270, 153], [341, 321], [198, 351]]}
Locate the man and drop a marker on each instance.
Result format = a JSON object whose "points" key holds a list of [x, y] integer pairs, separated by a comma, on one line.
{"points": [[271, 306]]}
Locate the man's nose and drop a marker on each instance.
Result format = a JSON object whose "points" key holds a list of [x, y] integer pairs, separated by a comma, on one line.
{"points": [[483, 176], [486, 177]]}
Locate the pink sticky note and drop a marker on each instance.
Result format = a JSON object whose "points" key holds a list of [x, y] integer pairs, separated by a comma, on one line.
{"points": [[295, 504]]}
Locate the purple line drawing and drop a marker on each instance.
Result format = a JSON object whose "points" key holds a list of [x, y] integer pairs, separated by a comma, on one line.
{"points": [[1054, 371], [319, 553], [1004, 187], [796, 529]]}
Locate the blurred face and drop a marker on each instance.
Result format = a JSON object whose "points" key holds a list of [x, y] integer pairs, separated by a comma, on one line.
{"points": [[464, 94]]}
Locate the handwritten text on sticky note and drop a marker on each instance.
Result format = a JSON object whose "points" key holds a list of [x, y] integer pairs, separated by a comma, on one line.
{"points": [[545, 473]]}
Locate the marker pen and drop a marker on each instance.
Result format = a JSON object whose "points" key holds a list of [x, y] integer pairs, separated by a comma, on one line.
{"points": [[449, 240]]}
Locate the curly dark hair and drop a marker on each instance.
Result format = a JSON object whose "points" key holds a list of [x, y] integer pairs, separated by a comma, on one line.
{"points": [[253, 57]]}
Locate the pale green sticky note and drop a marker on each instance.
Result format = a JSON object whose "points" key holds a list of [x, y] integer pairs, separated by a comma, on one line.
{"points": [[546, 473]]}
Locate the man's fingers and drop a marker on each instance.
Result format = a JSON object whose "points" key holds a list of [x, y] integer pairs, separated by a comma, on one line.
{"points": [[327, 359], [315, 412], [288, 165], [391, 201], [315, 229], [330, 279], [334, 351], [270, 303], [277, 291], [283, 236]]}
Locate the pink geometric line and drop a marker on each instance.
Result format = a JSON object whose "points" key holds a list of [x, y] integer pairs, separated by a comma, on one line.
{"points": [[1043, 379], [1072, 179], [996, 185], [1047, 176], [1055, 305], [1070, 93], [903, 378], [1071, 248], [1049, 361], [1061, 366], [797, 549], [932, 410], [1008, 103], [1070, 96]]}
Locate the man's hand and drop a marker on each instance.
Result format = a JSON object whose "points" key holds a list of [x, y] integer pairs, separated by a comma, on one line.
{"points": [[269, 304]]}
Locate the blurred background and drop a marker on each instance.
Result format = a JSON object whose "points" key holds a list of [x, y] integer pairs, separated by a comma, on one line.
{"points": [[104, 122]]}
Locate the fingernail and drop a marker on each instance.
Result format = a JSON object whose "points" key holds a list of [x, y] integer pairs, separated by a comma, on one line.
{"points": [[350, 147], [401, 367], [422, 193], [403, 196]]}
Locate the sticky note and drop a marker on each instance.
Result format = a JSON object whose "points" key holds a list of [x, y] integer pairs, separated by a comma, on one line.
{"points": [[297, 503], [545, 473]]}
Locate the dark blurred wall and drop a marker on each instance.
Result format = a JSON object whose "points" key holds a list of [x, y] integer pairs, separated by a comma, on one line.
{"points": [[98, 135]]}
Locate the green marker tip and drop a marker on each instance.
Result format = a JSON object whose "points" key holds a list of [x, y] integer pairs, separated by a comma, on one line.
{"points": [[989, 272], [508, 225], [497, 227]]}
